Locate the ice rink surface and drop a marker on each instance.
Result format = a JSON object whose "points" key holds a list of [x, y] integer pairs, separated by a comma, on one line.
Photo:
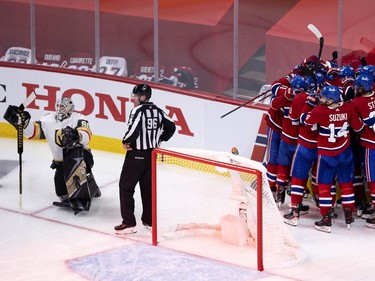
{"points": [[43, 242]]}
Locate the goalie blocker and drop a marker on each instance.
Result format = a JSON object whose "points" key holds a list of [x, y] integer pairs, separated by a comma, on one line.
{"points": [[80, 181]]}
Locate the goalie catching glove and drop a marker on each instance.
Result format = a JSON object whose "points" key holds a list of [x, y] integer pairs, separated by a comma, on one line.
{"points": [[12, 115], [68, 137]]}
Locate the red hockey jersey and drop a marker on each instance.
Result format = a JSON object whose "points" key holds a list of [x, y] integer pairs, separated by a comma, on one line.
{"points": [[333, 127]]}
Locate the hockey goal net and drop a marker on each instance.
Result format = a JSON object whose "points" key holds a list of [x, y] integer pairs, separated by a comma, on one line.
{"points": [[222, 196]]}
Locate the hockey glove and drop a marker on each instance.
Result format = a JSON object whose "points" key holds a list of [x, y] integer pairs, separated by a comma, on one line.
{"points": [[289, 94], [12, 116], [312, 101], [70, 138]]}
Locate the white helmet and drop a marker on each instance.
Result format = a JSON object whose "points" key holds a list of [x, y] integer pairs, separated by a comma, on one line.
{"points": [[64, 108]]}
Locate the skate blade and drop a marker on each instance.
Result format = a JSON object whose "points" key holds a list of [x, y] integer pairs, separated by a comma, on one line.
{"points": [[370, 225], [292, 222], [349, 226], [130, 230], [326, 229]]}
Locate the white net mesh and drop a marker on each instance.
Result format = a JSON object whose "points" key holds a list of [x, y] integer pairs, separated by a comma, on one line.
{"points": [[192, 198]]}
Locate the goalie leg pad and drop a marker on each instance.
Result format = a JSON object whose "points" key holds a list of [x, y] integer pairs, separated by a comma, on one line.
{"points": [[94, 188]]}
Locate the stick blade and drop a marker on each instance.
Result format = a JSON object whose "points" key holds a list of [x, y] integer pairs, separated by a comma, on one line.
{"points": [[27, 101], [315, 30]]}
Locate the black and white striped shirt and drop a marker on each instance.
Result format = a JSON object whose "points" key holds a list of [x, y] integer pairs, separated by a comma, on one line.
{"points": [[148, 126]]}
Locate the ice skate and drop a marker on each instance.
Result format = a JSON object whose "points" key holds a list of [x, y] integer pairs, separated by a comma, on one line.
{"points": [[370, 223], [292, 217], [303, 209], [125, 229], [273, 190], [324, 224], [359, 207], [315, 199], [147, 226], [280, 195], [332, 215], [368, 212], [348, 217]]}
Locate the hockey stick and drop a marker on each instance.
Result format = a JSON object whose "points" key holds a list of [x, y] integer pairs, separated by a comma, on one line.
{"points": [[363, 61], [335, 55], [264, 97], [247, 102], [318, 35], [21, 122]]}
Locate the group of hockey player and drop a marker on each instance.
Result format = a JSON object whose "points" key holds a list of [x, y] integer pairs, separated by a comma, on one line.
{"points": [[321, 130]]}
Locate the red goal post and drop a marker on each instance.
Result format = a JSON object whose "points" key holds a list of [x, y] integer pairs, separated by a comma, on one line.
{"points": [[197, 193]]}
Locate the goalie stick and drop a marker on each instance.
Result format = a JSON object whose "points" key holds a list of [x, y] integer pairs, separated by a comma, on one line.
{"points": [[318, 35], [21, 121]]}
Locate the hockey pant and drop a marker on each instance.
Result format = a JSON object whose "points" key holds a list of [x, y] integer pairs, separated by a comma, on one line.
{"points": [[302, 164], [272, 153]]}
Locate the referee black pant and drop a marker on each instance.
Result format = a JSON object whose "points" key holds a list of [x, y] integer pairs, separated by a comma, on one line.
{"points": [[136, 169]]}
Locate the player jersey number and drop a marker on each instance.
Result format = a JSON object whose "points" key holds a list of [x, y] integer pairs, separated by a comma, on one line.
{"points": [[152, 123], [110, 70], [82, 124], [343, 132], [371, 118]]}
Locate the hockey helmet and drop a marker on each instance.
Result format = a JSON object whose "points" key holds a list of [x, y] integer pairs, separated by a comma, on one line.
{"points": [[142, 89], [364, 69], [346, 71], [364, 81], [310, 83], [298, 82], [64, 108], [331, 92]]}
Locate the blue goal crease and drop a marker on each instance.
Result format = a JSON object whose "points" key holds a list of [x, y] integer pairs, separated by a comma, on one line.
{"points": [[145, 262]]}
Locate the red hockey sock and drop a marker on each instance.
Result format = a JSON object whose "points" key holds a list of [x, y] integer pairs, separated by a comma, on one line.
{"points": [[298, 187], [347, 195]]}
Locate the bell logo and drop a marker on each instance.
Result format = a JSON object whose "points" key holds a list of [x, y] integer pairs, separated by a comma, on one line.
{"points": [[100, 104]]}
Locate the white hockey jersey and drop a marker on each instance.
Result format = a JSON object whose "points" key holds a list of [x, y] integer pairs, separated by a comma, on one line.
{"points": [[48, 125]]}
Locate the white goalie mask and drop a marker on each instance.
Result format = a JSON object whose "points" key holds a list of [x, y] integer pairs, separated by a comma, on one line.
{"points": [[64, 108]]}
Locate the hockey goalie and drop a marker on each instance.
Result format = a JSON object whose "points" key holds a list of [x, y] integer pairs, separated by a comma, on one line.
{"points": [[68, 134]]}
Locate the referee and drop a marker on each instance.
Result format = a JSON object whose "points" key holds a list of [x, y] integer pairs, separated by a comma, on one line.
{"points": [[148, 126]]}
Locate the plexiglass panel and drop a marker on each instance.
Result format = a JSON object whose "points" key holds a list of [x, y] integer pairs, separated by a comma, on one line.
{"points": [[222, 47]]}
